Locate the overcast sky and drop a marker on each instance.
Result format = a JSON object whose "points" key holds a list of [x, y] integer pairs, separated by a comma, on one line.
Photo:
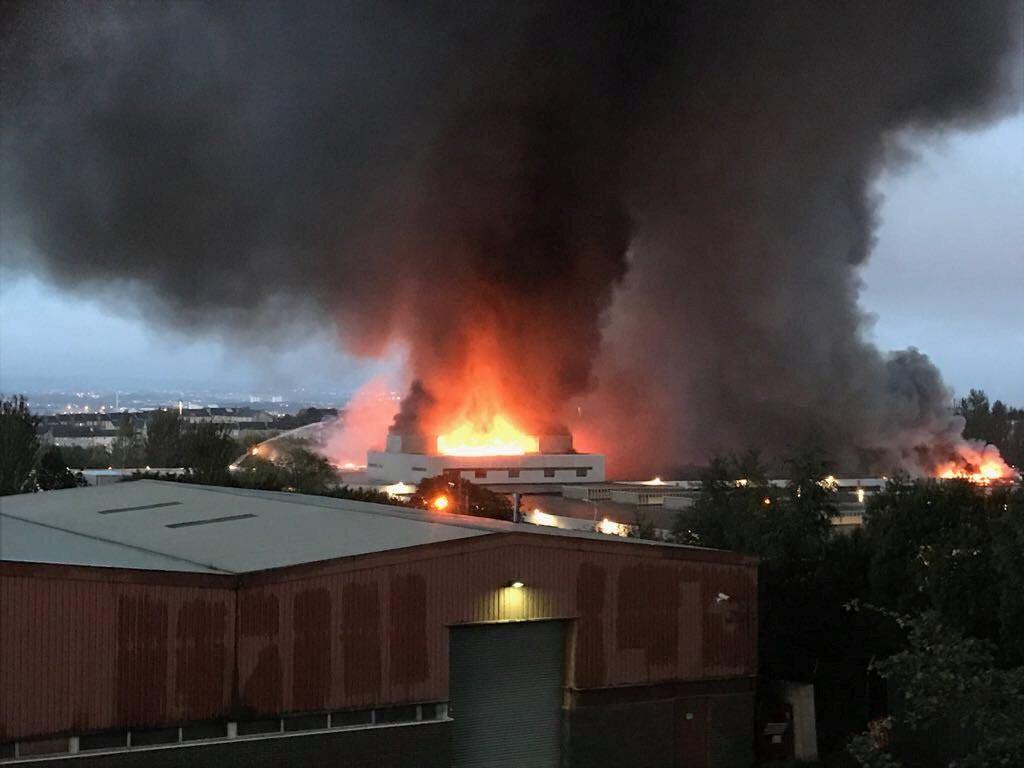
{"points": [[947, 276]]}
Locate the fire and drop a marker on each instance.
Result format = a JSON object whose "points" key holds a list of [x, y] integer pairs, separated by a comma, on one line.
{"points": [[977, 464], [498, 437], [440, 504], [612, 528]]}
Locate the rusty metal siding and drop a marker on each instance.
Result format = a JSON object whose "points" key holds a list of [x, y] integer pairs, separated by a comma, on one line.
{"points": [[82, 654], [643, 614], [83, 649]]}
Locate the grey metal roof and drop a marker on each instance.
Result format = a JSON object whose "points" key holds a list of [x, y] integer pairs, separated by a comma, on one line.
{"points": [[182, 527]]}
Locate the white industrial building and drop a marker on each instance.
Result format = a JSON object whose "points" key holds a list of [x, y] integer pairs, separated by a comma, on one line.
{"points": [[410, 459]]}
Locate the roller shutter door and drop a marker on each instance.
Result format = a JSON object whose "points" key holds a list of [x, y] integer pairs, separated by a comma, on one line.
{"points": [[506, 694]]}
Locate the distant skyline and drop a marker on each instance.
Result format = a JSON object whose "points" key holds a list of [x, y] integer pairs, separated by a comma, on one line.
{"points": [[947, 276]]}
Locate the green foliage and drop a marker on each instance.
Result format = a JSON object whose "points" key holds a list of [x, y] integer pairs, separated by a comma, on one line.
{"points": [[364, 494], [953, 548], [128, 446], [464, 497], [307, 472], [19, 445], [164, 439], [783, 526], [87, 457], [53, 473], [945, 678], [294, 468], [207, 452]]}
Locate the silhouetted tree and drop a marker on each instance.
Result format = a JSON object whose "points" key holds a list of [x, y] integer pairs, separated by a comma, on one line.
{"points": [[19, 445], [998, 423], [53, 473], [87, 457], [954, 548], [164, 439], [127, 449], [463, 497], [207, 452], [956, 702]]}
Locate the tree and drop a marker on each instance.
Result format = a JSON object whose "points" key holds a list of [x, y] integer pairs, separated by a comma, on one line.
{"points": [[950, 547], [164, 439], [307, 472], [207, 452], [976, 411], [53, 473], [953, 697], [88, 457], [127, 449], [19, 445], [995, 423], [461, 497]]}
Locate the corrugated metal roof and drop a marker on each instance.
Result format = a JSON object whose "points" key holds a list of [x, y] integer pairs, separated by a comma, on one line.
{"points": [[181, 527]]}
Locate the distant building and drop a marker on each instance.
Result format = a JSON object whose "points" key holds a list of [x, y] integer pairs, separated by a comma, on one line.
{"points": [[154, 623], [225, 416], [83, 437]]}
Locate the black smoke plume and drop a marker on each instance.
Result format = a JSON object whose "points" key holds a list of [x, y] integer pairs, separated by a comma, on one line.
{"points": [[653, 210]]}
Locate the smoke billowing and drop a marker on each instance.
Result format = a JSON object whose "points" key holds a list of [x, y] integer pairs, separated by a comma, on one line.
{"points": [[653, 212]]}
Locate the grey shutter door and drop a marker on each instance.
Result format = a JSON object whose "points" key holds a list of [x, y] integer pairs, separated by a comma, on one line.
{"points": [[506, 686]]}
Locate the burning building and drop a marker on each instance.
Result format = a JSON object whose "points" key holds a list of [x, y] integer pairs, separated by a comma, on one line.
{"points": [[498, 455], [653, 216]]}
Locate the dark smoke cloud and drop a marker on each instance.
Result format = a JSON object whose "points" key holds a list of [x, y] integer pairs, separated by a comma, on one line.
{"points": [[422, 173]]}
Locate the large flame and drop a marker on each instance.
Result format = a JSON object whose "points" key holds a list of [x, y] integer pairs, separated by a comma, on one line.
{"points": [[981, 464], [497, 436]]}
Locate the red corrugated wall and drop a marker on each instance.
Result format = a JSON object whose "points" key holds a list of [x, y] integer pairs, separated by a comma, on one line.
{"points": [[83, 649], [372, 631], [89, 648]]}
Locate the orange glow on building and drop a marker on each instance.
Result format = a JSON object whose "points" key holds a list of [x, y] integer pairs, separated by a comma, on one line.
{"points": [[496, 436]]}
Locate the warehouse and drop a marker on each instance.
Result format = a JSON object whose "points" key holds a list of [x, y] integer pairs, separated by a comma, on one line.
{"points": [[162, 623]]}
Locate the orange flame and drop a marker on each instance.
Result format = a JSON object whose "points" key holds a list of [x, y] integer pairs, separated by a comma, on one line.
{"points": [[978, 464], [497, 437]]}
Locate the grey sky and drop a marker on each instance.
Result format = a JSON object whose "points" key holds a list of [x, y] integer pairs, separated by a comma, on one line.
{"points": [[947, 276]]}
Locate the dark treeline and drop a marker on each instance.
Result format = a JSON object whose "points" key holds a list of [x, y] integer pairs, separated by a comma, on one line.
{"points": [[996, 423], [913, 623]]}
